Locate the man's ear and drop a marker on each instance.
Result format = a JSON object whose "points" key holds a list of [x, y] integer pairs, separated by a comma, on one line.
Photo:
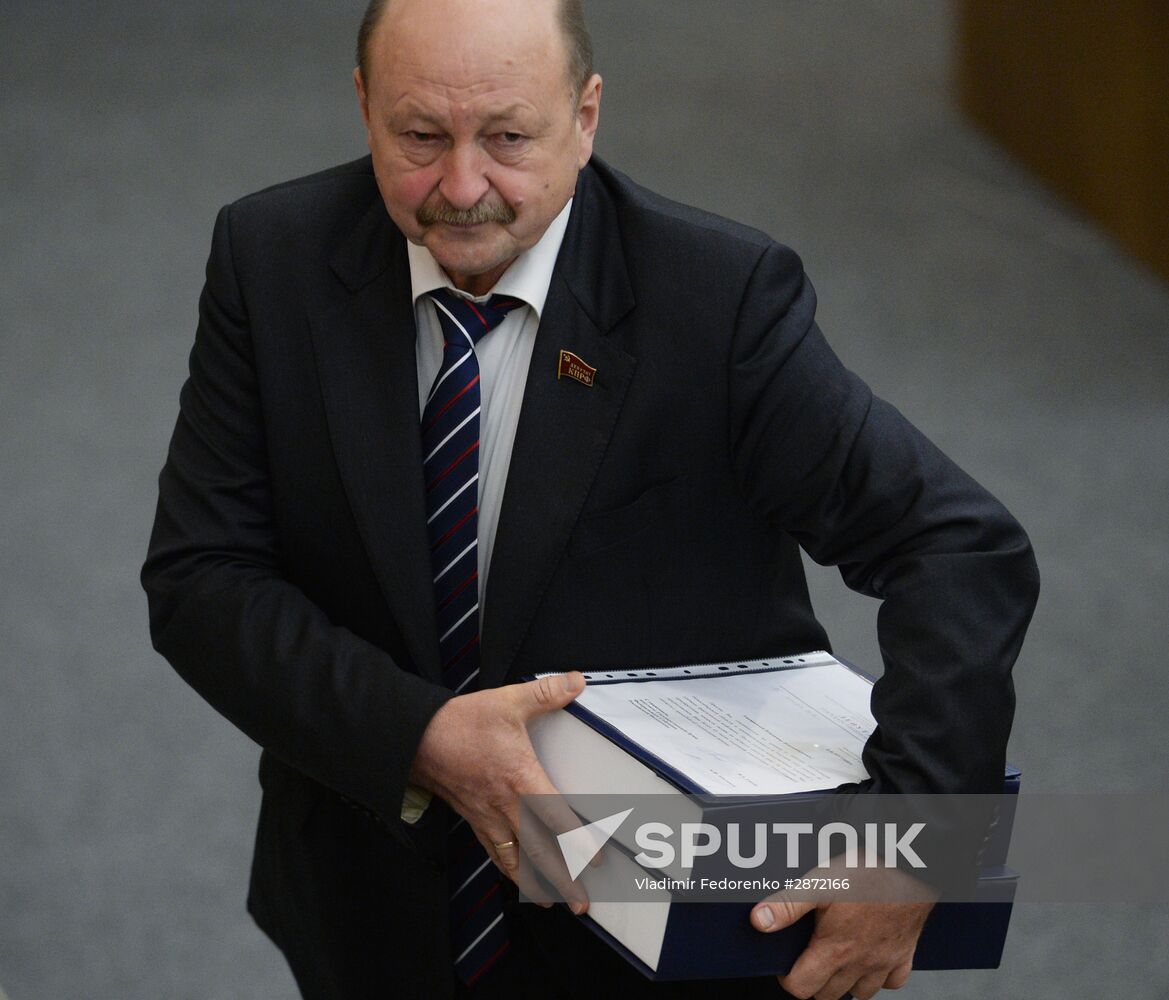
{"points": [[588, 117], [362, 97]]}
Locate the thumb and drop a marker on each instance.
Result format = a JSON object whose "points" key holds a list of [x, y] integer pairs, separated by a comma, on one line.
{"points": [[778, 912], [546, 694]]}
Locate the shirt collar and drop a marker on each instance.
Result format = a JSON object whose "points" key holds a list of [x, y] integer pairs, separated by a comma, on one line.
{"points": [[528, 278]]}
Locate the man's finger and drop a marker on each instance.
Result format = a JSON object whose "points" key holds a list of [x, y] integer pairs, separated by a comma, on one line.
{"points": [[547, 883], [811, 973], [778, 912], [899, 976], [534, 888], [546, 694], [843, 984], [507, 856], [544, 856], [542, 818], [533, 796], [869, 986]]}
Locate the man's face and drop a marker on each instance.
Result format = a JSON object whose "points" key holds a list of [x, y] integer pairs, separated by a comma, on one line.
{"points": [[475, 136]]}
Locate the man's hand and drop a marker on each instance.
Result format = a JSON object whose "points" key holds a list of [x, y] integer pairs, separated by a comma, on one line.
{"points": [[858, 948], [477, 756]]}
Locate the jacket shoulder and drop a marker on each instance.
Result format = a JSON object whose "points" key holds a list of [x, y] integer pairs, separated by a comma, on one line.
{"points": [[301, 223], [311, 207], [338, 181], [675, 228]]}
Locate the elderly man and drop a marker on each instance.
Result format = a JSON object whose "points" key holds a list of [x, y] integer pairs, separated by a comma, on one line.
{"points": [[477, 406]]}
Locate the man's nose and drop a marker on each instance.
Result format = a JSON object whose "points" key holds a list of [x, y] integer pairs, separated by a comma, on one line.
{"points": [[464, 181]]}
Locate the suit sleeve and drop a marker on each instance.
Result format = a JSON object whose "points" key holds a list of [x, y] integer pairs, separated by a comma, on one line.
{"points": [[320, 698], [863, 490]]}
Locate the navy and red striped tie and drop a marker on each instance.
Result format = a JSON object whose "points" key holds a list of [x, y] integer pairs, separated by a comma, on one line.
{"points": [[450, 448]]}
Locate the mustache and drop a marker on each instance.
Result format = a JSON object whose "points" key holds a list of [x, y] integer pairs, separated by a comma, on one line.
{"points": [[444, 212]]}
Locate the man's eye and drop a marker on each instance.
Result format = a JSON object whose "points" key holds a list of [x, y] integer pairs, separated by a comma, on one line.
{"points": [[511, 138], [416, 136]]}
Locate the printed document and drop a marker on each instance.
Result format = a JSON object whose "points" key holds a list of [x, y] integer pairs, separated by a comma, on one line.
{"points": [[771, 727]]}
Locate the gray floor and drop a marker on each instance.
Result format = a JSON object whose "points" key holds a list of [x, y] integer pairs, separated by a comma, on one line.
{"points": [[1009, 329]]}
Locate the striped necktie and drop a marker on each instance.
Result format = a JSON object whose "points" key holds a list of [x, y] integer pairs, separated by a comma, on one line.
{"points": [[450, 448]]}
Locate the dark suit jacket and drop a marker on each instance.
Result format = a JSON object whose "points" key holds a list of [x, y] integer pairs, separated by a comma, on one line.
{"points": [[654, 518]]}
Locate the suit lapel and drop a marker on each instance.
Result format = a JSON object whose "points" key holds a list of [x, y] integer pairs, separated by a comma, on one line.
{"points": [[564, 426], [365, 353]]}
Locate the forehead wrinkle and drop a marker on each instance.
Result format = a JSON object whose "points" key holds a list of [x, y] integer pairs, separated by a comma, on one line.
{"points": [[466, 79], [436, 101], [512, 112]]}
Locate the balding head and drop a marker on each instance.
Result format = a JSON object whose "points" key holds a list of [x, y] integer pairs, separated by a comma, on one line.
{"points": [[569, 15], [476, 129]]}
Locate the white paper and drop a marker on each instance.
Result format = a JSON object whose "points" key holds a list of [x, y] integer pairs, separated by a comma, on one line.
{"points": [[732, 732]]}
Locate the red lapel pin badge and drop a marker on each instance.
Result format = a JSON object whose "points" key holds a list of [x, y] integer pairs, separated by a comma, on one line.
{"points": [[572, 366]]}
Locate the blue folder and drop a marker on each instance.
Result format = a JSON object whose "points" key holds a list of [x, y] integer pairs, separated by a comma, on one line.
{"points": [[706, 940]]}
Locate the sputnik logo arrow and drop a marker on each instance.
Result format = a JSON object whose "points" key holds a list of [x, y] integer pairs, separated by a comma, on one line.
{"points": [[581, 845]]}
